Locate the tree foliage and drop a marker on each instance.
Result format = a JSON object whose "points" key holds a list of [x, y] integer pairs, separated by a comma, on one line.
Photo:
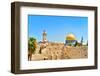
{"points": [[82, 40], [76, 43], [87, 43], [32, 44]]}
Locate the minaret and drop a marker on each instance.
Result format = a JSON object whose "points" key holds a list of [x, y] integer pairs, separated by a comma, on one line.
{"points": [[44, 36]]}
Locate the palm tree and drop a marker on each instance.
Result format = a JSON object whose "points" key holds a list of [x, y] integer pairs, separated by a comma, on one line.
{"points": [[32, 44]]}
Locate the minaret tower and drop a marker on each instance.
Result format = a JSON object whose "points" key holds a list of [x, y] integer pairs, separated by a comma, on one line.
{"points": [[44, 36]]}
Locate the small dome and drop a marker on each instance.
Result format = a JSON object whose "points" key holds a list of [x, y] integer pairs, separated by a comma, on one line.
{"points": [[70, 37]]}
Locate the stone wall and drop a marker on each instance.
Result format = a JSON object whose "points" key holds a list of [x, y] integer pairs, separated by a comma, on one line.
{"points": [[54, 51]]}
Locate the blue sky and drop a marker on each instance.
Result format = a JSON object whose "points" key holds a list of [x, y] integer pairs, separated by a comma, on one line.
{"points": [[57, 27]]}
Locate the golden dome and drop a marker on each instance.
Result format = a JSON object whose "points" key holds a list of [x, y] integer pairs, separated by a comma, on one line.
{"points": [[70, 37]]}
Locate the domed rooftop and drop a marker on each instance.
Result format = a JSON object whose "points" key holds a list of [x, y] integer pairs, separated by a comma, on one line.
{"points": [[70, 37]]}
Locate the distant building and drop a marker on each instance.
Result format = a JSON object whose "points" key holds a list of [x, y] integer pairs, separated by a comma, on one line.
{"points": [[70, 39], [44, 41], [44, 35]]}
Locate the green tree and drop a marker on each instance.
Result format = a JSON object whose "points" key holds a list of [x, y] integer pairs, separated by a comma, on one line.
{"points": [[76, 43], [87, 43], [82, 40], [32, 44]]}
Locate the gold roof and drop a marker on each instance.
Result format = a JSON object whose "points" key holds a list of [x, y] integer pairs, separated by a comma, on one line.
{"points": [[70, 37]]}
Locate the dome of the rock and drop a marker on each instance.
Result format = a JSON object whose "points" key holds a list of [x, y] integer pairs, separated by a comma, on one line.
{"points": [[70, 37]]}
